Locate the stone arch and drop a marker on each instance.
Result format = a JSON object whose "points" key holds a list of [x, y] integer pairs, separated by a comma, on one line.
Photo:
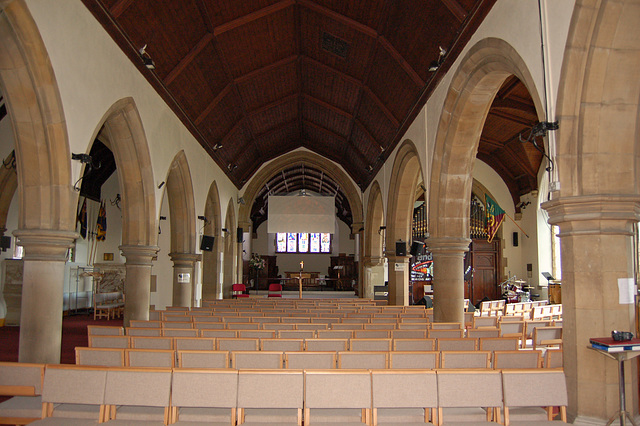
{"points": [[127, 140], [373, 241], [35, 109], [469, 96], [9, 185], [210, 259], [471, 92], [291, 159], [230, 251], [181, 205], [598, 205], [405, 175]]}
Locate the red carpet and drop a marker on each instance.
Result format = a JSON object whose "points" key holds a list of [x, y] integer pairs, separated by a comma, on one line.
{"points": [[74, 333]]}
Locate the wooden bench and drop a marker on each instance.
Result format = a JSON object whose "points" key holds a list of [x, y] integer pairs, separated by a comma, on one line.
{"points": [[108, 305]]}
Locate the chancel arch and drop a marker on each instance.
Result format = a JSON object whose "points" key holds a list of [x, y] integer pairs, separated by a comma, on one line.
{"points": [[469, 97], [211, 277], [374, 242], [405, 175]]}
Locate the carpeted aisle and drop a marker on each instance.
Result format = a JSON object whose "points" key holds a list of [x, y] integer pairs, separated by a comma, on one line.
{"points": [[74, 333]]}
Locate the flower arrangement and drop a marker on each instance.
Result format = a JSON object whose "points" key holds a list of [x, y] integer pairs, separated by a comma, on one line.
{"points": [[256, 262]]}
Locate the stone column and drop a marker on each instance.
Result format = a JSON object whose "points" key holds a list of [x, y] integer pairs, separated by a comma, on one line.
{"points": [[373, 268], [357, 229], [448, 277], [137, 283], [45, 255], [398, 279], [183, 278], [596, 235]]}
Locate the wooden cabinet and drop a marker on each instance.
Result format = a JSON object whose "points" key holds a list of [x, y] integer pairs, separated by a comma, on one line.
{"points": [[345, 273], [266, 276]]}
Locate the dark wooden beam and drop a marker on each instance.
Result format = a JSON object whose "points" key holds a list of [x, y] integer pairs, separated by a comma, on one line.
{"points": [[213, 104], [342, 75], [368, 135], [497, 112], [338, 17], [267, 68], [327, 106], [252, 17], [189, 57], [401, 61], [382, 106], [270, 105], [118, 8], [456, 9], [512, 104], [331, 133]]}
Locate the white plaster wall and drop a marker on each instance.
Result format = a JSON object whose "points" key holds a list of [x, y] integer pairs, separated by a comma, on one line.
{"points": [[92, 74]]}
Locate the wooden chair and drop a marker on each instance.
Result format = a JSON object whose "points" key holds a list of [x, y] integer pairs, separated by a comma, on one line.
{"points": [[498, 343], [104, 330], [547, 336], [310, 360], [337, 396], [426, 360], [370, 345], [23, 382], [503, 360], [127, 397], [194, 343], [457, 344], [553, 358], [120, 342], [469, 396], [146, 342], [406, 397], [526, 391], [204, 396], [281, 345], [465, 359], [414, 344], [161, 358], [238, 344], [256, 359], [334, 345], [367, 360], [104, 357], [274, 397], [203, 359]]}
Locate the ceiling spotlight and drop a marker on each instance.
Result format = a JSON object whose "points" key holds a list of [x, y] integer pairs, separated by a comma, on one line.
{"points": [[232, 167], [146, 59], [434, 65], [442, 51], [370, 168], [217, 147]]}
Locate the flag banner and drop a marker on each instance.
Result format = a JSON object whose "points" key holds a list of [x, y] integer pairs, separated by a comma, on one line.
{"points": [[495, 217], [82, 218], [101, 225]]}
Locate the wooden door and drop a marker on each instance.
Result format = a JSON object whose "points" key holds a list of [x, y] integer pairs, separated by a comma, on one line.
{"points": [[485, 261]]}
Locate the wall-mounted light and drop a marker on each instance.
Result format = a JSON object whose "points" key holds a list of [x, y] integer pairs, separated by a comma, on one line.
{"points": [[146, 59], [217, 147], [84, 159], [232, 167], [435, 64], [241, 200], [116, 201]]}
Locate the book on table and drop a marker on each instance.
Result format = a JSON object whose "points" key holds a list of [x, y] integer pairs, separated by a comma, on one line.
{"points": [[607, 344]]}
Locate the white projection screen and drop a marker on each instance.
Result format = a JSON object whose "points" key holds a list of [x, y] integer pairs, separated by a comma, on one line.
{"points": [[301, 214]]}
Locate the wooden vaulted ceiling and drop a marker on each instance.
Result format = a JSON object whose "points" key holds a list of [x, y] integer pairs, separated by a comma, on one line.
{"points": [[255, 79]]}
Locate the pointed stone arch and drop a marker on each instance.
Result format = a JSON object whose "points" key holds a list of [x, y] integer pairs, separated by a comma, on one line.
{"points": [[181, 205], [211, 280], [289, 160], [182, 215], [469, 96], [230, 261], [46, 219], [598, 205], [405, 175], [471, 92], [373, 241]]}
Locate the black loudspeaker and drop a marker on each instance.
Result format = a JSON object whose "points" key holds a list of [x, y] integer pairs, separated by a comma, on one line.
{"points": [[5, 243], [401, 248], [515, 239], [206, 243], [239, 235], [416, 248]]}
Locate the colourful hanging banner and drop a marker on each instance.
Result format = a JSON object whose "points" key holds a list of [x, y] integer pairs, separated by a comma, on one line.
{"points": [[495, 217]]}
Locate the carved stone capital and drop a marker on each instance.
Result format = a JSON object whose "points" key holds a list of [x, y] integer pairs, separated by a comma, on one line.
{"points": [[186, 260], [45, 244], [139, 255], [594, 214]]}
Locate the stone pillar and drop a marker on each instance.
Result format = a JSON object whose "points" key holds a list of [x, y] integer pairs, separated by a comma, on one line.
{"points": [[183, 278], [373, 270], [45, 255], [357, 229], [596, 236], [448, 277], [398, 280], [137, 283]]}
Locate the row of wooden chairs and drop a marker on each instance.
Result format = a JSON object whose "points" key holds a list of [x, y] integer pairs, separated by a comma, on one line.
{"points": [[283, 315], [290, 397], [112, 357], [307, 344]]}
